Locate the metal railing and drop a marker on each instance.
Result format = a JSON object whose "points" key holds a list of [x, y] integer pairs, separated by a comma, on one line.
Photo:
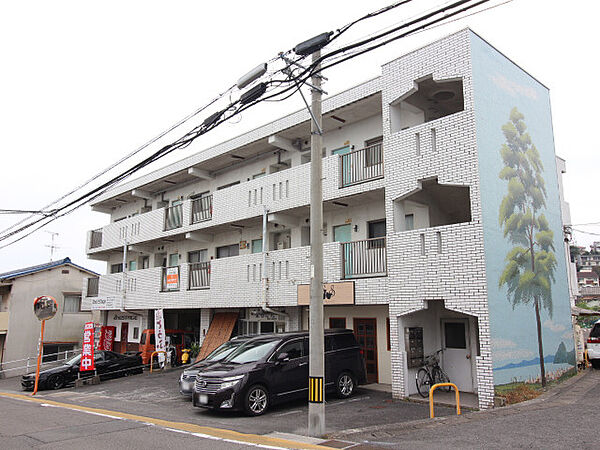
{"points": [[92, 287], [199, 276], [173, 217], [361, 165], [96, 239], [366, 258], [170, 278], [202, 209], [28, 364]]}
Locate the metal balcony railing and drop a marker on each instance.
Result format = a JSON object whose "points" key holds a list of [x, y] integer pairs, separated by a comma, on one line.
{"points": [[199, 275], [96, 239], [173, 217], [202, 209], [361, 165], [92, 287], [170, 278], [366, 258]]}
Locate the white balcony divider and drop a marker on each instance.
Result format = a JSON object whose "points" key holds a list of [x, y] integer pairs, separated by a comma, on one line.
{"points": [[202, 209], [365, 258], [361, 165], [199, 275]]}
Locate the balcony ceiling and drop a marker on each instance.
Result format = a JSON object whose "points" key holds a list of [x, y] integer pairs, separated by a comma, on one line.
{"points": [[350, 113]]}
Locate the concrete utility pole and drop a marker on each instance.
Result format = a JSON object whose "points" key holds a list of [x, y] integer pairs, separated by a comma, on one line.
{"points": [[316, 405]]}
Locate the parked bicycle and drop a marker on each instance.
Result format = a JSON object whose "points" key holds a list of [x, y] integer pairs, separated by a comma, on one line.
{"points": [[431, 373]]}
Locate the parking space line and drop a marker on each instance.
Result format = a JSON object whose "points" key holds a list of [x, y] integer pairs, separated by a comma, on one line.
{"points": [[197, 430]]}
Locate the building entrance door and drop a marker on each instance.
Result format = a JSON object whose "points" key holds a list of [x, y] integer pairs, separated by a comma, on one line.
{"points": [[124, 336], [456, 358], [365, 331], [343, 233]]}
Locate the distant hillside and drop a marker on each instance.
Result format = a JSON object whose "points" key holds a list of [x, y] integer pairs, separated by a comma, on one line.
{"points": [[526, 362]]}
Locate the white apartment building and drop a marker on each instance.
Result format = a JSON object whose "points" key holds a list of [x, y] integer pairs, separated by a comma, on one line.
{"points": [[409, 249]]}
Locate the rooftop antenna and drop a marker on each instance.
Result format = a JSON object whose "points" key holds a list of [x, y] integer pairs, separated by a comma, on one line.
{"points": [[52, 246]]}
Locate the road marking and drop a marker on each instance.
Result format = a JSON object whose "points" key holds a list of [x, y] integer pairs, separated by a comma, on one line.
{"points": [[295, 411], [184, 427]]}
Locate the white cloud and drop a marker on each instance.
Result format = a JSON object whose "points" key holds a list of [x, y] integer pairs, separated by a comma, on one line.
{"points": [[567, 335], [503, 343], [513, 88], [518, 354], [556, 327]]}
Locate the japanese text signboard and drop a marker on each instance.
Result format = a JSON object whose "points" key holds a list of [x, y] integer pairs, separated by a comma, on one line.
{"points": [[172, 278], [159, 334], [87, 352]]}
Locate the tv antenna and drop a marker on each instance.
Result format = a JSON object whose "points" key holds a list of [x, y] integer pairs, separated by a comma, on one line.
{"points": [[52, 246]]}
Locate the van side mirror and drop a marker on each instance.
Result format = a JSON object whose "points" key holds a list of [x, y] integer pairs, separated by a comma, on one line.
{"points": [[283, 357]]}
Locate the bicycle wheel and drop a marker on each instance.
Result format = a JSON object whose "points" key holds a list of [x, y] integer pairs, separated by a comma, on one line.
{"points": [[423, 380], [439, 376]]}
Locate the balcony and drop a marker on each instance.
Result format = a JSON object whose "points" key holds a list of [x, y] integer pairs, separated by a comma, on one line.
{"points": [[96, 239], [173, 217], [361, 165], [202, 209], [365, 258], [199, 275]]}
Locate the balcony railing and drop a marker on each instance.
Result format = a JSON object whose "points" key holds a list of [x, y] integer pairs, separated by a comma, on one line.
{"points": [[92, 287], [366, 258], [199, 274], [173, 217], [202, 209], [96, 239], [362, 165], [170, 278]]}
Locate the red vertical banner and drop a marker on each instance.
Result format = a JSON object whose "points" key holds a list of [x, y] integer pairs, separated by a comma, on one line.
{"points": [[87, 351], [107, 338]]}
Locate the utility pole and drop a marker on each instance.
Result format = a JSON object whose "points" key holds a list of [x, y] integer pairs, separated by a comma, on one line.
{"points": [[316, 405]]}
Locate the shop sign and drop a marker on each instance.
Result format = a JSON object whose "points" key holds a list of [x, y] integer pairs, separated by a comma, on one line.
{"points": [[103, 303], [341, 293], [87, 351], [159, 334], [107, 338], [172, 277], [126, 317], [259, 313]]}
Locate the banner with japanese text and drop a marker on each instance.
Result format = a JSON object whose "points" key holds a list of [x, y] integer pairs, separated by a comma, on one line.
{"points": [[107, 338], [159, 334], [87, 350]]}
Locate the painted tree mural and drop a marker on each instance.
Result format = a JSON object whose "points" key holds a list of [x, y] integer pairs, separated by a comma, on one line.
{"points": [[530, 264]]}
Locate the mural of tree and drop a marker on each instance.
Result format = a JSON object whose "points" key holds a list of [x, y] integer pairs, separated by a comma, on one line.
{"points": [[530, 264]]}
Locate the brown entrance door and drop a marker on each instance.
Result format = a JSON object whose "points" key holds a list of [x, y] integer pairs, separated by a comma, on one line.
{"points": [[124, 336], [365, 331]]}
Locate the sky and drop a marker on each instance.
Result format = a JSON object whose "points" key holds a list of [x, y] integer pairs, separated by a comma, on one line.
{"points": [[84, 83]]}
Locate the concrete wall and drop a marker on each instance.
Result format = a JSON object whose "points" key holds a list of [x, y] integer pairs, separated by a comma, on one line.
{"points": [[24, 328]]}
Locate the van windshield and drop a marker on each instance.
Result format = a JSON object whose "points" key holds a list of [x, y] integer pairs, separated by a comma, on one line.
{"points": [[595, 333], [252, 351]]}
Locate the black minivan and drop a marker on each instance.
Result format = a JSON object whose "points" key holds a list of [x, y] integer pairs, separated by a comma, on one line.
{"points": [[273, 368]]}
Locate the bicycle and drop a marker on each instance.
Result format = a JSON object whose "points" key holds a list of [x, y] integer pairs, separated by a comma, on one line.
{"points": [[431, 373]]}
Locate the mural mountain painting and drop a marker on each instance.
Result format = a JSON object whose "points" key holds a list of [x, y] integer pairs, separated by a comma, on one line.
{"points": [[530, 264]]}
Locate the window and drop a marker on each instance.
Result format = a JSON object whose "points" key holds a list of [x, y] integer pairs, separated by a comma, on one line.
{"points": [[256, 245], [145, 262], [455, 335], [293, 349], [409, 222], [116, 268], [337, 322], [132, 265], [72, 303], [387, 325], [228, 250], [225, 186], [173, 259], [136, 332], [198, 256], [377, 229], [55, 352], [345, 340]]}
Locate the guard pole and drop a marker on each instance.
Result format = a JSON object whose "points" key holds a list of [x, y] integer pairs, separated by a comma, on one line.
{"points": [[316, 405], [39, 359], [433, 388]]}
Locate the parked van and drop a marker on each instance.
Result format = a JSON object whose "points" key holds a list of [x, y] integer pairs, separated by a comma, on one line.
{"points": [[273, 368], [179, 339]]}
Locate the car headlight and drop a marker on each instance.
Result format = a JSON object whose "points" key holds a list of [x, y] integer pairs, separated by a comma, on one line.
{"points": [[230, 381]]}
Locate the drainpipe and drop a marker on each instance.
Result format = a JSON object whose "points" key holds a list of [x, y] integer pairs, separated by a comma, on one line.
{"points": [[265, 280], [124, 287]]}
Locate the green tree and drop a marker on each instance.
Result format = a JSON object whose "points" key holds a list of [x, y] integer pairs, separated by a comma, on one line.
{"points": [[530, 264]]}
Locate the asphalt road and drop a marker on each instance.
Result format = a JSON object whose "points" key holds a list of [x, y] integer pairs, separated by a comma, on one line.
{"points": [[565, 417]]}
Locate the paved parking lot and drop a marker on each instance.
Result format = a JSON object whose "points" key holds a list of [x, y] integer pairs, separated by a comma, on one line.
{"points": [[157, 395]]}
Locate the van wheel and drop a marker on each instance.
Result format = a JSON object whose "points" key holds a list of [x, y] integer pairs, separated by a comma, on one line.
{"points": [[344, 385], [256, 401], [595, 363]]}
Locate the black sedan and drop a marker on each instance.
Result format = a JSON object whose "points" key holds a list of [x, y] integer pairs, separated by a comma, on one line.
{"points": [[108, 365]]}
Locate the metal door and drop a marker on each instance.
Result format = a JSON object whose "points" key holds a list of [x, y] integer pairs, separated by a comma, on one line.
{"points": [[456, 357]]}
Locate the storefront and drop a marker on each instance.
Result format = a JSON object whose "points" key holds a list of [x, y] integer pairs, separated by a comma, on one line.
{"points": [[128, 328]]}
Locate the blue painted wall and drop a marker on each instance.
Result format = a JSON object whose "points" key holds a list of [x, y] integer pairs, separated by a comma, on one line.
{"points": [[499, 86]]}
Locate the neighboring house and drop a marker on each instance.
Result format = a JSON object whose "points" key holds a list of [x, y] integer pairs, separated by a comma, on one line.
{"points": [[417, 165], [587, 279], [590, 259], [19, 327]]}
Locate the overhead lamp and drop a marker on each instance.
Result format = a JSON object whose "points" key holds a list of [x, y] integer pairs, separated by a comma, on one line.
{"points": [[251, 76], [253, 94], [312, 45]]}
